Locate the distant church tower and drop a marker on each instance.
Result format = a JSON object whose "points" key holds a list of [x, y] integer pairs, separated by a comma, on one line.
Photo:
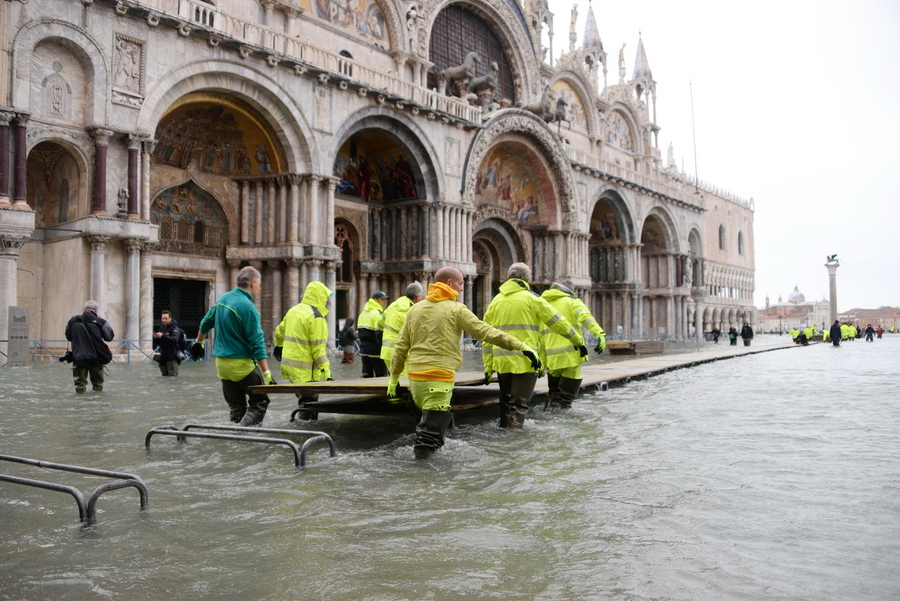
{"points": [[642, 80]]}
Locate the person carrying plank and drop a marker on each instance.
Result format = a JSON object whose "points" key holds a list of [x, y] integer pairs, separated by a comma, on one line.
{"points": [[429, 343]]}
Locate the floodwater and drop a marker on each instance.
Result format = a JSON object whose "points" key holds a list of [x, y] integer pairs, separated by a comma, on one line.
{"points": [[773, 476]]}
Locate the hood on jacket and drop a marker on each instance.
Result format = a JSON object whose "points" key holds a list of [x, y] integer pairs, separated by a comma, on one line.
{"points": [[317, 294], [373, 305], [440, 292], [553, 294], [514, 285]]}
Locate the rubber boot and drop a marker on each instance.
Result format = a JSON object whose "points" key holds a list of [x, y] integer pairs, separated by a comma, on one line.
{"points": [[515, 394], [430, 432], [568, 390], [552, 391]]}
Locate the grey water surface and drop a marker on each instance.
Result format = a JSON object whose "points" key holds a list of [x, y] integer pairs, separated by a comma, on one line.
{"points": [[773, 476]]}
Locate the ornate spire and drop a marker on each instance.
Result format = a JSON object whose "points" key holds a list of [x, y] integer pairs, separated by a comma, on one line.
{"points": [[641, 64], [591, 33]]}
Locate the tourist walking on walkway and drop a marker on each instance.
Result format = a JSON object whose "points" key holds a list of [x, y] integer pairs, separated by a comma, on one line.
{"points": [[835, 333], [562, 360], [370, 327], [523, 314], [732, 336], [170, 340], [88, 334], [240, 350], [428, 346], [746, 334], [347, 340], [302, 336]]}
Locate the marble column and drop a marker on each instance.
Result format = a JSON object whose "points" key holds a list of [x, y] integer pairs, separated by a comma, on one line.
{"points": [[133, 288], [330, 318], [439, 233], [234, 268], [101, 142], [10, 247], [148, 147], [328, 231], [362, 294], [698, 322], [98, 270], [245, 211], [294, 210], [134, 148], [5, 118], [270, 213], [292, 290], [283, 210], [315, 211], [259, 215], [146, 302], [426, 231], [258, 301], [19, 197], [277, 310], [315, 271], [469, 292]]}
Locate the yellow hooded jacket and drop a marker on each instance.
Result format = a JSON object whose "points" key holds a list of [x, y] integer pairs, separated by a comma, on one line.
{"points": [[394, 317], [428, 343], [304, 333], [558, 352], [523, 314]]}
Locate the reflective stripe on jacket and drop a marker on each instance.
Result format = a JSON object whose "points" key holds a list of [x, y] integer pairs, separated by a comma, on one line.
{"points": [[303, 334], [370, 327], [558, 352], [523, 314], [394, 317]]}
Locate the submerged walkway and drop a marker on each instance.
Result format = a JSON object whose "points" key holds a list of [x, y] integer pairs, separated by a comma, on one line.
{"points": [[369, 396]]}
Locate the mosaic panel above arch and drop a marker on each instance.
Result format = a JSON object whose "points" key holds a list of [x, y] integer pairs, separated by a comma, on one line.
{"points": [[619, 132], [191, 221], [506, 180], [575, 107], [374, 166], [360, 18], [606, 226], [653, 237], [217, 134]]}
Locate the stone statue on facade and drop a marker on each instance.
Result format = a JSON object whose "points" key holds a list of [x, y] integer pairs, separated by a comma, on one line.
{"points": [[544, 107], [622, 63], [457, 78], [558, 115], [485, 86]]}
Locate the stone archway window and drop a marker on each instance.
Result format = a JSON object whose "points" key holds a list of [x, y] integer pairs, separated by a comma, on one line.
{"points": [[166, 228], [740, 243], [458, 31], [199, 232], [184, 231], [344, 272]]}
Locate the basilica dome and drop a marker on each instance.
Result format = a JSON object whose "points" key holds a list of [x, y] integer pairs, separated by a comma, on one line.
{"points": [[796, 297]]}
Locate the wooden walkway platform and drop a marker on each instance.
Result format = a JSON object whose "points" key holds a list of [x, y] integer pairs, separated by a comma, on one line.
{"points": [[369, 396]]}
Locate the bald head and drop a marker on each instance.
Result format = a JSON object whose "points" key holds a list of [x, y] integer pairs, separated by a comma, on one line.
{"points": [[450, 276]]}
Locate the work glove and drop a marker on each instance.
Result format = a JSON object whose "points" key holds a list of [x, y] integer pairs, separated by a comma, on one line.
{"points": [[276, 352], [531, 354], [392, 388], [601, 346], [197, 350], [325, 372], [488, 376], [267, 376], [582, 350]]}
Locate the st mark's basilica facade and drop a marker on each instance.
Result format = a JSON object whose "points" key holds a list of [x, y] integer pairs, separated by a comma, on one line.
{"points": [[151, 148]]}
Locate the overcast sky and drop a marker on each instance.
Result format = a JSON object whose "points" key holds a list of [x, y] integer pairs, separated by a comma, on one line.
{"points": [[797, 105]]}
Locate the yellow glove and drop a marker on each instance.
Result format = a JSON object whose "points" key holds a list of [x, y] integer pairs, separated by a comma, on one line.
{"points": [[267, 376], [392, 388], [325, 372], [601, 345]]}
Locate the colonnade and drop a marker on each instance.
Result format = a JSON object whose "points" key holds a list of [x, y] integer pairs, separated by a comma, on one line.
{"points": [[274, 206]]}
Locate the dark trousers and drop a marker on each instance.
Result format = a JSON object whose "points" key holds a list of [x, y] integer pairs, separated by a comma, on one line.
{"points": [[515, 394], [169, 368], [241, 402], [747, 341], [373, 367], [81, 378]]}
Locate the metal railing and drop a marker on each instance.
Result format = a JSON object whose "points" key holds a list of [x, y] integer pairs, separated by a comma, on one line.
{"points": [[45, 353], [299, 452], [87, 510]]}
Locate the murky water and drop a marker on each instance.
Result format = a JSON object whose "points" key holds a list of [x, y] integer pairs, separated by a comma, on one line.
{"points": [[774, 476]]}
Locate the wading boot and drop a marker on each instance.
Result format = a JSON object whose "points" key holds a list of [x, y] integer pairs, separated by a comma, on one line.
{"points": [[552, 392], [430, 432], [568, 390]]}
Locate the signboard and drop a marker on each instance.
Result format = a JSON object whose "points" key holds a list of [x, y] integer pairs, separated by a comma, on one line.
{"points": [[17, 348]]}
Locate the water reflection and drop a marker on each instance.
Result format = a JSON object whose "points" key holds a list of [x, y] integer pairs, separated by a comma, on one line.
{"points": [[771, 477]]}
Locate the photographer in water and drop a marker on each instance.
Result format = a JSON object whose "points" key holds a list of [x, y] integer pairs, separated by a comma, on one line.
{"points": [[170, 340]]}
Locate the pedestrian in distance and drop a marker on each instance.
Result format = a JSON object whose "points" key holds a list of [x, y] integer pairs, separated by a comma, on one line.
{"points": [[240, 349], [562, 360], [835, 333], [428, 347], [870, 333], [746, 334], [170, 341], [347, 340], [370, 327], [732, 336], [89, 334], [522, 313]]}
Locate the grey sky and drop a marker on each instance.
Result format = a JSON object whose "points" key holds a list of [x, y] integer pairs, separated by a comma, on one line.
{"points": [[795, 105]]}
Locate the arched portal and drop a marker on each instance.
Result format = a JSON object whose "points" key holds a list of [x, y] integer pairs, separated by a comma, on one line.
{"points": [[56, 186], [611, 265], [495, 245], [661, 272], [346, 239]]}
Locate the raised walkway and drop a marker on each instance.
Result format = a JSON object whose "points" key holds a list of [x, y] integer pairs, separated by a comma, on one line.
{"points": [[369, 396]]}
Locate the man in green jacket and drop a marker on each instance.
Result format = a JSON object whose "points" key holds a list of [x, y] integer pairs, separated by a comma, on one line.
{"points": [[395, 316], [562, 360], [301, 337], [240, 350], [429, 344], [522, 313]]}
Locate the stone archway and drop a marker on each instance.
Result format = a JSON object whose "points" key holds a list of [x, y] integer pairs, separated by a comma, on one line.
{"points": [[495, 246], [57, 188]]}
